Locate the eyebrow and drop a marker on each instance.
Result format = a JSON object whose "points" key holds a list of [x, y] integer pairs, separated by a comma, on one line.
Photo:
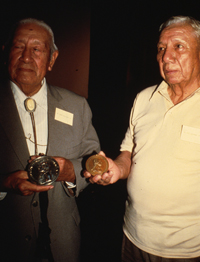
{"points": [[35, 41], [173, 40], [160, 43]]}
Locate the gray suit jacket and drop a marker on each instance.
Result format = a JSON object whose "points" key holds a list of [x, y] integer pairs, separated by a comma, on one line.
{"points": [[20, 215]]}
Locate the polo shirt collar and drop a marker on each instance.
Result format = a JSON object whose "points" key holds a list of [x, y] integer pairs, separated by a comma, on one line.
{"points": [[162, 89]]}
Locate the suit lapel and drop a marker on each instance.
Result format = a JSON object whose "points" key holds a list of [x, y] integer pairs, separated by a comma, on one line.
{"points": [[10, 121], [54, 99]]}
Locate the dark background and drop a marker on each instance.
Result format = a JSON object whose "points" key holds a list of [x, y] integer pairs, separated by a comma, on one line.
{"points": [[119, 60]]}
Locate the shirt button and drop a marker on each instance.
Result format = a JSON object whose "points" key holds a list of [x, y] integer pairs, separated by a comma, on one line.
{"points": [[35, 203]]}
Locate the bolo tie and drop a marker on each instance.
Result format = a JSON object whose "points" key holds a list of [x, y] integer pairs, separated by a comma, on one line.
{"points": [[43, 170], [43, 241], [30, 106]]}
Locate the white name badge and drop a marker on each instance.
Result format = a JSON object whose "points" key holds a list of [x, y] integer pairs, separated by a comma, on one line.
{"points": [[64, 116], [190, 134]]}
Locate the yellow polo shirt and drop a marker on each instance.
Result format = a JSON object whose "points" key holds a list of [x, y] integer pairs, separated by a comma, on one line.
{"points": [[163, 208]]}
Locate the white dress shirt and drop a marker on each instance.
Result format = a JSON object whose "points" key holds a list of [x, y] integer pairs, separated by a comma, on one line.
{"points": [[40, 116]]}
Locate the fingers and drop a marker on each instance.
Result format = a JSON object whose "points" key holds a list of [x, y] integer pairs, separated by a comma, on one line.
{"points": [[26, 188], [104, 179], [107, 178], [37, 188], [102, 153], [32, 158], [18, 182], [86, 174], [104, 182], [22, 175]]}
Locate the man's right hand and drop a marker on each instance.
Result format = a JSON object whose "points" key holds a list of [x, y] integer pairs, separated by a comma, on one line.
{"points": [[18, 182], [118, 169]]}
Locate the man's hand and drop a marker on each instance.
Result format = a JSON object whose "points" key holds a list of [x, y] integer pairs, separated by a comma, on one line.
{"points": [[18, 182], [66, 170], [118, 169]]}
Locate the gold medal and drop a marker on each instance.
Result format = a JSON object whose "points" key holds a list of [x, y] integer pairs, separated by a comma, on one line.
{"points": [[96, 165]]}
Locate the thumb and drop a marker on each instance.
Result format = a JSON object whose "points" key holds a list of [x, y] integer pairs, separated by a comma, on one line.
{"points": [[101, 153]]}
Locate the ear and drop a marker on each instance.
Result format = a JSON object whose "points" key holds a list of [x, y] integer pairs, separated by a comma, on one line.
{"points": [[53, 59]]}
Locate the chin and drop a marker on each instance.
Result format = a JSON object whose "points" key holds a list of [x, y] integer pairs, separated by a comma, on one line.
{"points": [[25, 80], [172, 81]]}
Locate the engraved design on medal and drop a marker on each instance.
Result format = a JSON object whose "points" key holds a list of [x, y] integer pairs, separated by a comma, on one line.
{"points": [[43, 170], [97, 165]]}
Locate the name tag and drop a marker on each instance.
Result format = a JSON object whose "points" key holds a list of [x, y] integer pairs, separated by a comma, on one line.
{"points": [[64, 116], [190, 134]]}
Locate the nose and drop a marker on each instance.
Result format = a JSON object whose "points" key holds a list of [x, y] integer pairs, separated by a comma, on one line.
{"points": [[168, 55], [26, 55]]}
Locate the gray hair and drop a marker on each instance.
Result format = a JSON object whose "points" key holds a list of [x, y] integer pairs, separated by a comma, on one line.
{"points": [[41, 23], [195, 24]]}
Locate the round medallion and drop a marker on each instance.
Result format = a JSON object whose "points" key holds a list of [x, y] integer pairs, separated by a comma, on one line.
{"points": [[43, 170], [96, 165]]}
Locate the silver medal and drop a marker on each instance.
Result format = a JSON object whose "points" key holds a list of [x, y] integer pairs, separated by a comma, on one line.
{"points": [[43, 170]]}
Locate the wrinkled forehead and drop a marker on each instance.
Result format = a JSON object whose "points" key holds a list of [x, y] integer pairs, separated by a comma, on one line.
{"points": [[174, 30], [32, 31], [183, 33]]}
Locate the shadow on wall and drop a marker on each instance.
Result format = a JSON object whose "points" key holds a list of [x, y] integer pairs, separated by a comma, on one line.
{"points": [[71, 69]]}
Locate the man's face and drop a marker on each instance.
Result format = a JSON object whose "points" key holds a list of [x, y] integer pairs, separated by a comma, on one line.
{"points": [[179, 55], [29, 57]]}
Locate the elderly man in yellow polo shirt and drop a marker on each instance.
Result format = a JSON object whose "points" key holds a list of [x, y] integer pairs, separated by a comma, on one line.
{"points": [[160, 155]]}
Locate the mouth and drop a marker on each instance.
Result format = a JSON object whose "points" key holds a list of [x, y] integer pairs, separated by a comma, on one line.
{"points": [[25, 69], [170, 72]]}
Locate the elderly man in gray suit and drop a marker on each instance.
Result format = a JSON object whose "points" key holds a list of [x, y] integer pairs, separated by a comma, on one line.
{"points": [[40, 222]]}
